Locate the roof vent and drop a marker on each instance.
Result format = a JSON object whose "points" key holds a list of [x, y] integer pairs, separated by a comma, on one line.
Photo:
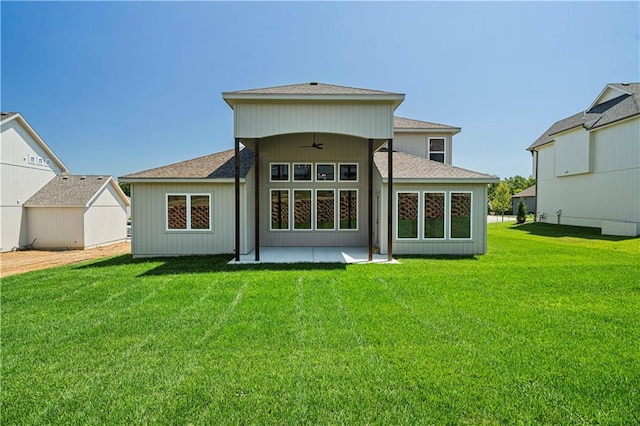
{"points": [[82, 177], [100, 177], [624, 84], [313, 83], [65, 177]]}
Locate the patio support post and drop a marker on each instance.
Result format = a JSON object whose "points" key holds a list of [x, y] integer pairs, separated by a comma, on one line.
{"points": [[257, 200], [390, 202], [237, 188], [370, 206]]}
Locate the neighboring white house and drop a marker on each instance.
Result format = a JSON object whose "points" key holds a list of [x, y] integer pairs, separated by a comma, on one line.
{"points": [[33, 181], [587, 166], [77, 212], [26, 165], [311, 168]]}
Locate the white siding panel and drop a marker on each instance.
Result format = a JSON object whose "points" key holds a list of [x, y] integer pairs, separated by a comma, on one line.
{"points": [[609, 193], [149, 234], [55, 228], [105, 221], [19, 180], [268, 119], [546, 162], [573, 153]]}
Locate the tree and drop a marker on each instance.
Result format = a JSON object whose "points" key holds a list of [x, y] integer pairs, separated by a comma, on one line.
{"points": [[126, 188], [522, 212], [518, 183], [501, 201]]}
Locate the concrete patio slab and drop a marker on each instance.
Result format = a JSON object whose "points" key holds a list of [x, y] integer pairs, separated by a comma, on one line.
{"points": [[312, 255]]}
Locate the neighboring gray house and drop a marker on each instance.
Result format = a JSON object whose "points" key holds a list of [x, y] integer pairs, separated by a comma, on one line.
{"points": [[587, 166], [77, 212], [528, 196], [311, 167], [26, 165]]}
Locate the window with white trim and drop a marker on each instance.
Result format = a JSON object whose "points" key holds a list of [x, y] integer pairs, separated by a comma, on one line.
{"points": [[434, 215], [188, 212], [302, 172], [348, 173], [348, 209], [279, 209], [460, 205], [302, 209], [279, 172], [325, 209], [325, 172], [407, 215], [436, 149]]}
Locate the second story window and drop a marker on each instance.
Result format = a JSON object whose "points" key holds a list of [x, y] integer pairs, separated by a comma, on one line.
{"points": [[436, 149]]}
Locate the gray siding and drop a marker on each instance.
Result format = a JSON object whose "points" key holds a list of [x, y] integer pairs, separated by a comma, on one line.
{"points": [[417, 144], [150, 236], [610, 192], [19, 180], [371, 120], [476, 245], [337, 149]]}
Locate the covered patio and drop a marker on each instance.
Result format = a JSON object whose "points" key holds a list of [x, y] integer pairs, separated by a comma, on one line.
{"points": [[312, 255]]}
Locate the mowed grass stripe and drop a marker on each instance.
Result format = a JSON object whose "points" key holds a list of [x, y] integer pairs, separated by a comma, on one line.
{"points": [[542, 329]]}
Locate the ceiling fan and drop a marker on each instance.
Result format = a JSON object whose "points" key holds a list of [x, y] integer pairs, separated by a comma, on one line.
{"points": [[313, 145]]}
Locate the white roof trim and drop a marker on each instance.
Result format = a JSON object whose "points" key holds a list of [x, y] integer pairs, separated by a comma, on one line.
{"points": [[38, 139], [452, 131], [117, 188], [444, 180], [179, 180], [607, 87], [230, 98]]}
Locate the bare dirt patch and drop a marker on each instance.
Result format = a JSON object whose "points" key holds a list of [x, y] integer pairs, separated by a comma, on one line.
{"points": [[18, 262]]}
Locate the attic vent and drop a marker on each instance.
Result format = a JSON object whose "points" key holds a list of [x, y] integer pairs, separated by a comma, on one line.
{"points": [[99, 177], [82, 177], [313, 83], [64, 178]]}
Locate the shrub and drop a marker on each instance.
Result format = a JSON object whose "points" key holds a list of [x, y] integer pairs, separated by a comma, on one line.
{"points": [[521, 217]]}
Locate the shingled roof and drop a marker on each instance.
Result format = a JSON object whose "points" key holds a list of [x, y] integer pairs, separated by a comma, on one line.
{"points": [[312, 88], [220, 165], [407, 166], [529, 192], [616, 109], [69, 191], [409, 123], [4, 115]]}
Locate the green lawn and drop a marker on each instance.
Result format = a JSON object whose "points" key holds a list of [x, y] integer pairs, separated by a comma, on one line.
{"points": [[545, 328]]}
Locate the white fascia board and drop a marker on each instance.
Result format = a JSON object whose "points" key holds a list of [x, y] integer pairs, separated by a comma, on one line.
{"points": [[116, 187], [232, 98], [608, 86], [55, 206], [452, 131], [178, 180], [38, 139], [444, 180]]}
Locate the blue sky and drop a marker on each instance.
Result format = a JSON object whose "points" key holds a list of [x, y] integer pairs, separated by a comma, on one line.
{"points": [[115, 88]]}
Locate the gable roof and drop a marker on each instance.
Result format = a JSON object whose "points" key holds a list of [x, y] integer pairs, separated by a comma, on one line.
{"points": [[411, 124], [619, 108], [72, 191], [312, 88], [220, 165], [312, 91], [411, 167], [5, 117], [529, 192]]}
